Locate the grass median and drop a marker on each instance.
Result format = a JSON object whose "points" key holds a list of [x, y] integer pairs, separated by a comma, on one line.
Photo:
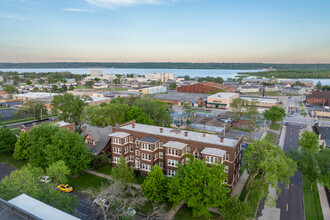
{"points": [[313, 210]]}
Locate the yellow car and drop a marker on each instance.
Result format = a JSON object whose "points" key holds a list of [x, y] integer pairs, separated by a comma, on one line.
{"points": [[65, 188]]}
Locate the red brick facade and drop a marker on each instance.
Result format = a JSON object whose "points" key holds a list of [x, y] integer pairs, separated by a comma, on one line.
{"points": [[142, 155], [318, 98], [206, 87]]}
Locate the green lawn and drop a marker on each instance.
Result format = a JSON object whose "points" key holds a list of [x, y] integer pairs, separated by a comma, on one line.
{"points": [[271, 137], [186, 213], [7, 158], [312, 204], [240, 129], [253, 204], [12, 121], [15, 130], [275, 127], [85, 181], [303, 113], [2, 107], [300, 104]]}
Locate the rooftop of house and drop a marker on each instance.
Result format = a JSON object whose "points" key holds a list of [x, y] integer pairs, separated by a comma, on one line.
{"points": [[175, 144], [319, 95], [61, 123], [324, 132], [182, 96], [213, 152], [224, 95], [191, 135], [119, 134], [99, 135], [150, 140]]}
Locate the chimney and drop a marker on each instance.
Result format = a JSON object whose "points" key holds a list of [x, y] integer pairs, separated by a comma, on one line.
{"points": [[133, 125], [161, 130], [221, 139], [203, 134], [84, 128], [186, 133]]}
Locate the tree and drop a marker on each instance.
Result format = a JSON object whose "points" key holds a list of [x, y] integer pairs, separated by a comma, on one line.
{"points": [[173, 85], [58, 171], [89, 84], [275, 114], [26, 181], [309, 140], [188, 113], [10, 89], [97, 79], [22, 147], [237, 109], [71, 87], [68, 107], [135, 113], [116, 81], [32, 107], [186, 77], [318, 85], [235, 209], [200, 185], [315, 165], [266, 164], [69, 147], [7, 140], [123, 172], [155, 186], [253, 116], [28, 82], [64, 88], [54, 88]]}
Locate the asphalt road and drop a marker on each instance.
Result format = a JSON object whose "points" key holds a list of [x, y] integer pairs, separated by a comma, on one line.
{"points": [[84, 208], [291, 200], [5, 170]]}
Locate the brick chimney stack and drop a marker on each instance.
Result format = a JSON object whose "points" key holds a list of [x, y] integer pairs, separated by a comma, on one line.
{"points": [[84, 128], [186, 133], [161, 130], [203, 134], [221, 139], [133, 125]]}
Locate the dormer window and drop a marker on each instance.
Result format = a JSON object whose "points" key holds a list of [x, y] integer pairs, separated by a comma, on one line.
{"points": [[196, 154]]}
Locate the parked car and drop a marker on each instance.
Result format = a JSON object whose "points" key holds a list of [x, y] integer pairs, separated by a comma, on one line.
{"points": [[65, 188], [100, 201], [130, 211], [286, 123], [45, 179]]}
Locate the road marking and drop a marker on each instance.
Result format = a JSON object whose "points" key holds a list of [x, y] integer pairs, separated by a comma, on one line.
{"points": [[287, 207]]}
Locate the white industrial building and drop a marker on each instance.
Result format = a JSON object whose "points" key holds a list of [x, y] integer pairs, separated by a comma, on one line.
{"points": [[164, 77]]}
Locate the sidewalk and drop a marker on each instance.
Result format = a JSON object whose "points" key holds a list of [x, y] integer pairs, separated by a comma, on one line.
{"points": [[240, 184], [324, 202], [108, 177], [172, 212]]}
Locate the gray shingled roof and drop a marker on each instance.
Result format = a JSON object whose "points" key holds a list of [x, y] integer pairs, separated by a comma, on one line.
{"points": [[182, 96], [149, 139], [100, 136]]}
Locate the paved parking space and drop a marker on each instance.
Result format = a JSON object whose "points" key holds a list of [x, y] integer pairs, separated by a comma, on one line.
{"points": [[5, 170]]}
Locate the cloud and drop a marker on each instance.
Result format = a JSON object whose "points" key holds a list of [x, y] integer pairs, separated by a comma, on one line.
{"points": [[76, 10], [114, 4], [11, 16]]}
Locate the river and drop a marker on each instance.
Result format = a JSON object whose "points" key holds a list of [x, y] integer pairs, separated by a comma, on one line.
{"points": [[224, 73]]}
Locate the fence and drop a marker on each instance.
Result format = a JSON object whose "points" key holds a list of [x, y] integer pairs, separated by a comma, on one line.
{"points": [[8, 114]]}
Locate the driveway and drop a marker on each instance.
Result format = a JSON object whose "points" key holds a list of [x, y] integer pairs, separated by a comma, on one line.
{"points": [[5, 170]]}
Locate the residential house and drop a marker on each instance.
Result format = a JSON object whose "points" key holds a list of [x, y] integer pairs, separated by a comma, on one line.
{"points": [[97, 139]]}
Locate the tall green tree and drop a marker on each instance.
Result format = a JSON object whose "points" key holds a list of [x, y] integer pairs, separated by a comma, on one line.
{"points": [[7, 140], [155, 186], [26, 181], [28, 82], [173, 85], [10, 89], [188, 113], [253, 116], [89, 84], [237, 109], [54, 88], [58, 171], [135, 113], [275, 114], [266, 164], [309, 140], [22, 147], [68, 107], [64, 88], [200, 186], [34, 108], [318, 85], [71, 87], [69, 147], [235, 209], [123, 172]]}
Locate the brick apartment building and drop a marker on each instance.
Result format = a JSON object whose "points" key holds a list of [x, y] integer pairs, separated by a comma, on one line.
{"points": [[206, 87], [144, 146], [318, 98]]}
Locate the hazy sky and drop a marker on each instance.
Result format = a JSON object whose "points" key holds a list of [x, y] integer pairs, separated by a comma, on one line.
{"points": [[288, 31]]}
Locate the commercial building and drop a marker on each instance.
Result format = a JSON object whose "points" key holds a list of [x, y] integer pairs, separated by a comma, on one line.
{"points": [[37, 96], [221, 100], [154, 90], [144, 146], [262, 102], [319, 98], [294, 81], [206, 87], [178, 98], [164, 77]]}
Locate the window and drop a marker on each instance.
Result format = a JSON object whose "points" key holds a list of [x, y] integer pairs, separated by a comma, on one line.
{"points": [[173, 163], [161, 165], [173, 152], [126, 150], [188, 150], [137, 144], [131, 148], [131, 158], [146, 146], [115, 159], [126, 140], [155, 146], [155, 156], [90, 142], [146, 167], [117, 150], [226, 168], [116, 141], [137, 153], [131, 139], [146, 156], [171, 172], [182, 161], [127, 158], [226, 157], [210, 159], [161, 155], [160, 145], [196, 154]]}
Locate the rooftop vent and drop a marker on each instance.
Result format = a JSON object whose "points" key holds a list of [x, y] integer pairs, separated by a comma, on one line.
{"points": [[133, 125], [186, 133], [161, 130]]}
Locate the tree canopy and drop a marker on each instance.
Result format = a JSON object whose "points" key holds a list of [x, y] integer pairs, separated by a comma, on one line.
{"points": [[122, 171], [237, 108], [9, 89], [58, 171], [32, 107], [309, 140], [7, 140], [22, 147], [275, 114]]}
